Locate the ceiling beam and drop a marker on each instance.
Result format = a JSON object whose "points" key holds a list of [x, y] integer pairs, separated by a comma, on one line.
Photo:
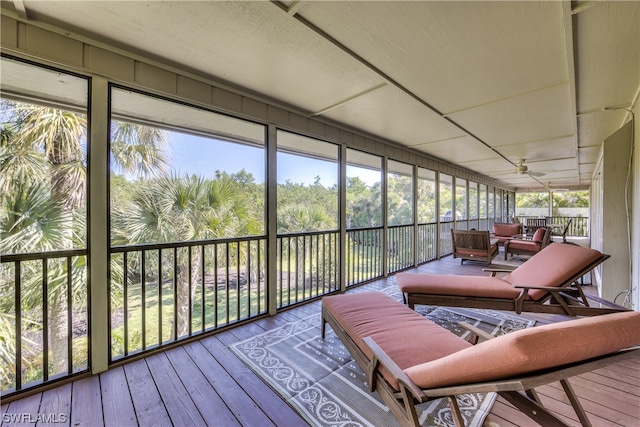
{"points": [[584, 6], [21, 9], [349, 99], [381, 73], [506, 98], [294, 8]]}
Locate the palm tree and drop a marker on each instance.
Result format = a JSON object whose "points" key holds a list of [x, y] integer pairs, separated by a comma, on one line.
{"points": [[44, 147], [176, 208], [297, 218]]}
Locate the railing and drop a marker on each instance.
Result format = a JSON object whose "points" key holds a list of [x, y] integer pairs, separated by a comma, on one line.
{"points": [[579, 225], [400, 247], [446, 246], [363, 255], [43, 318], [427, 243], [161, 293], [307, 266]]}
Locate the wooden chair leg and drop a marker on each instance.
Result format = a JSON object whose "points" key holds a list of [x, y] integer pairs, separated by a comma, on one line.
{"points": [[323, 326], [410, 408], [455, 411], [532, 409], [582, 415], [533, 395]]}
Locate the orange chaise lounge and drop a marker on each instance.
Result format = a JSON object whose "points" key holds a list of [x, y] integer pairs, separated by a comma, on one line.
{"points": [[546, 283], [408, 359]]}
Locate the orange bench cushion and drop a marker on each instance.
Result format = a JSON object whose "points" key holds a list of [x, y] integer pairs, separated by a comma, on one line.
{"points": [[448, 284], [407, 337], [531, 350]]}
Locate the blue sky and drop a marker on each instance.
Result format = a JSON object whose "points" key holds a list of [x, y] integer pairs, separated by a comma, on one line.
{"points": [[203, 156]]}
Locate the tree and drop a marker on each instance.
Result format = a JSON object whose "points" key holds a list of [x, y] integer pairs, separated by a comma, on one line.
{"points": [[43, 164], [175, 208]]}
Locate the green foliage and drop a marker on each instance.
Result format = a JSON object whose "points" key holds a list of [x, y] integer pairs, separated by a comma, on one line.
{"points": [[364, 204], [399, 199], [426, 201], [42, 208], [564, 199], [532, 200], [304, 208], [571, 199]]}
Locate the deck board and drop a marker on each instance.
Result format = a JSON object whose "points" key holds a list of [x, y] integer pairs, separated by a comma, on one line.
{"points": [[204, 383], [239, 402], [264, 397], [117, 406], [180, 406], [86, 402], [56, 403], [200, 390], [18, 408], [149, 407]]}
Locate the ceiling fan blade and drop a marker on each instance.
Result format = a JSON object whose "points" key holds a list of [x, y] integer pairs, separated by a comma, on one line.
{"points": [[537, 174]]}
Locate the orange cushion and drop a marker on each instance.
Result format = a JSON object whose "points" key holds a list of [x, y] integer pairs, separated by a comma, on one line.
{"points": [[506, 230], [406, 336], [552, 266], [445, 284], [531, 350], [539, 234], [525, 245]]}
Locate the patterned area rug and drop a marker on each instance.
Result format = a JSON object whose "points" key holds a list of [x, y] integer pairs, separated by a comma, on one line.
{"points": [[324, 384]]}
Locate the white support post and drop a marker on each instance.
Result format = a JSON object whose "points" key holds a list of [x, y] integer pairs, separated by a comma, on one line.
{"points": [[98, 205]]}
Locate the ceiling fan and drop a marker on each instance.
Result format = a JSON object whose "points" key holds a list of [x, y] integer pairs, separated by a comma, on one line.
{"points": [[548, 188], [522, 169]]}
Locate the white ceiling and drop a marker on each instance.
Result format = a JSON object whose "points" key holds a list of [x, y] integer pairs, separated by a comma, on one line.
{"points": [[479, 84]]}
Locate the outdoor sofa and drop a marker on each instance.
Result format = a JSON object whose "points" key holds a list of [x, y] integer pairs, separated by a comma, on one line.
{"points": [[505, 231]]}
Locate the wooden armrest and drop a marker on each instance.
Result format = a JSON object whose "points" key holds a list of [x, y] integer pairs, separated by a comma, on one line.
{"points": [[608, 303], [382, 358], [493, 270], [546, 288], [476, 334], [499, 269]]}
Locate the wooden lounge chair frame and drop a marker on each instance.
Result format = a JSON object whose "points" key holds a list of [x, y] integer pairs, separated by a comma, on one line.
{"points": [[520, 391], [568, 298]]}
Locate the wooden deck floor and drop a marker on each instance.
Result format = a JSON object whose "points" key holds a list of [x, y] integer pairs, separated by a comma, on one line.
{"points": [[204, 383]]}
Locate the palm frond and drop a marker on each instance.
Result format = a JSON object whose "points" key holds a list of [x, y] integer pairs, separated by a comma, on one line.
{"points": [[138, 150]]}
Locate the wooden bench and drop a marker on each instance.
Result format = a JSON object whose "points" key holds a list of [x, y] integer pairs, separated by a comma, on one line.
{"points": [[410, 360]]}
